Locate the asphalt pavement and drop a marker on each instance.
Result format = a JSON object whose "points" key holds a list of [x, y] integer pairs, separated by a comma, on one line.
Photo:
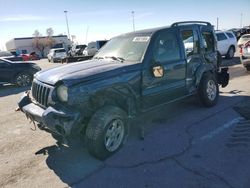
{"points": [[185, 145]]}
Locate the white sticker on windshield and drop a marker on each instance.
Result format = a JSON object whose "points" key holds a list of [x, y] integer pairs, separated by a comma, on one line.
{"points": [[141, 39]]}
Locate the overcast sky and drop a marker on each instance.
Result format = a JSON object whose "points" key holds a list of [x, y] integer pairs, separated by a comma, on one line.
{"points": [[94, 20]]}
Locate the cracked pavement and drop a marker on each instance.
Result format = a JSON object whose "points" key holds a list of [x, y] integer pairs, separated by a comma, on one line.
{"points": [[185, 145]]}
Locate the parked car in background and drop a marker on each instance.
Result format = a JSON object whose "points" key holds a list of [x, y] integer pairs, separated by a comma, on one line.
{"points": [[9, 56], [93, 47], [18, 73], [77, 50], [236, 31], [56, 54], [244, 51], [243, 39], [226, 43], [32, 56]]}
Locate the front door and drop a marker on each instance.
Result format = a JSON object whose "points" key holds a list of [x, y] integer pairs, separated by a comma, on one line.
{"points": [[170, 83]]}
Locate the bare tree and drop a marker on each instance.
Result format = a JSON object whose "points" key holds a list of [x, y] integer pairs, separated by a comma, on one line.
{"points": [[41, 43], [50, 32], [49, 40]]}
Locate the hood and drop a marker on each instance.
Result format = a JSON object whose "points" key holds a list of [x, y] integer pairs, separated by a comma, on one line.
{"points": [[77, 72]]}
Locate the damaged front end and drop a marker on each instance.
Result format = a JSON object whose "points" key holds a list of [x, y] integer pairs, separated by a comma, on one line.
{"points": [[56, 118]]}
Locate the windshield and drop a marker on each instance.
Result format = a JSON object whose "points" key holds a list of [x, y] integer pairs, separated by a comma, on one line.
{"points": [[125, 48]]}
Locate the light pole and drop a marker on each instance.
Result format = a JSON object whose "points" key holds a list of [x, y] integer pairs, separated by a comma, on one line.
{"points": [[241, 15], [217, 23], [67, 23], [133, 19]]}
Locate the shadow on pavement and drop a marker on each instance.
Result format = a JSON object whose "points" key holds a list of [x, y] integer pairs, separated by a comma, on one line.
{"points": [[70, 163], [73, 164], [6, 90]]}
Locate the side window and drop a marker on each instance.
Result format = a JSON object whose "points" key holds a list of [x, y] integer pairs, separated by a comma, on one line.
{"points": [[190, 41], [221, 36], [230, 35], [166, 48], [208, 41]]}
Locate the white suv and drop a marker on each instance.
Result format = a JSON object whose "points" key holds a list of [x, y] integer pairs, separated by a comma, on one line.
{"points": [[226, 43], [56, 54]]}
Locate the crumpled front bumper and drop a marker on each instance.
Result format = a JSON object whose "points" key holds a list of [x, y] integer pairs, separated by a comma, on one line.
{"points": [[57, 119]]}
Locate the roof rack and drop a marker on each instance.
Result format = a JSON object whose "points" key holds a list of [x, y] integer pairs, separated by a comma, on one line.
{"points": [[190, 22]]}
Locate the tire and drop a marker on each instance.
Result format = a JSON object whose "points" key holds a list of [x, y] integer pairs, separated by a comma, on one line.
{"points": [[248, 68], [23, 79], [208, 90], [230, 53], [106, 132]]}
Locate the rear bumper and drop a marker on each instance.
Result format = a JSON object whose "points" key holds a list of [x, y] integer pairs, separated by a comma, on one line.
{"points": [[57, 119], [245, 60]]}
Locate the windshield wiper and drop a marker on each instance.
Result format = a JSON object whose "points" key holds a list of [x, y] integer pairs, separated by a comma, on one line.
{"points": [[116, 58]]}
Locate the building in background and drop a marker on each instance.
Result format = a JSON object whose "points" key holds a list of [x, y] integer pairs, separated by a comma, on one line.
{"points": [[26, 45]]}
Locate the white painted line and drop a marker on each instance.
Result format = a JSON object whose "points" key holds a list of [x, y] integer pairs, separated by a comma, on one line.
{"points": [[222, 128]]}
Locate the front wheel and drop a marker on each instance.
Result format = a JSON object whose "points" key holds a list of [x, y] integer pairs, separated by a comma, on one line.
{"points": [[106, 132], [23, 79], [208, 90]]}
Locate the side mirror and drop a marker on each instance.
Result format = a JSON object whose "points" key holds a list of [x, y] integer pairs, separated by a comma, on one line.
{"points": [[158, 71]]}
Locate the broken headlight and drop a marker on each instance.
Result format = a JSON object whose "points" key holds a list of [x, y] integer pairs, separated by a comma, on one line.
{"points": [[62, 93]]}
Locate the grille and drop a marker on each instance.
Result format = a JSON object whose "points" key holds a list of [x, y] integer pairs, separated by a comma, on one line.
{"points": [[40, 93]]}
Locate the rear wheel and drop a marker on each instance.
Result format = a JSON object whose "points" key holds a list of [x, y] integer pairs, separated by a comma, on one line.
{"points": [[208, 90], [230, 53], [23, 79], [106, 132]]}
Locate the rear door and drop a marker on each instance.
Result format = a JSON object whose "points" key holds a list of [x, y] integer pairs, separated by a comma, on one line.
{"points": [[191, 43], [208, 43]]}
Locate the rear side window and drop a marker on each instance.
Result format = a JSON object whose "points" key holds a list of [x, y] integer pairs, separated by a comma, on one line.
{"points": [[166, 47], [190, 41], [221, 36], [208, 41], [230, 35]]}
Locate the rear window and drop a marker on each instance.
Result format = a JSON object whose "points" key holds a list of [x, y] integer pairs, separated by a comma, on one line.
{"points": [[221, 36], [230, 35], [58, 51], [246, 36]]}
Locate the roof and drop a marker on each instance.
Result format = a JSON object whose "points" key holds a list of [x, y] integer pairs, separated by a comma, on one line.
{"points": [[25, 38], [176, 24]]}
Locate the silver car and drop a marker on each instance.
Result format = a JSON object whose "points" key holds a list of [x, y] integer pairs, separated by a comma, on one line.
{"points": [[56, 54], [244, 49]]}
